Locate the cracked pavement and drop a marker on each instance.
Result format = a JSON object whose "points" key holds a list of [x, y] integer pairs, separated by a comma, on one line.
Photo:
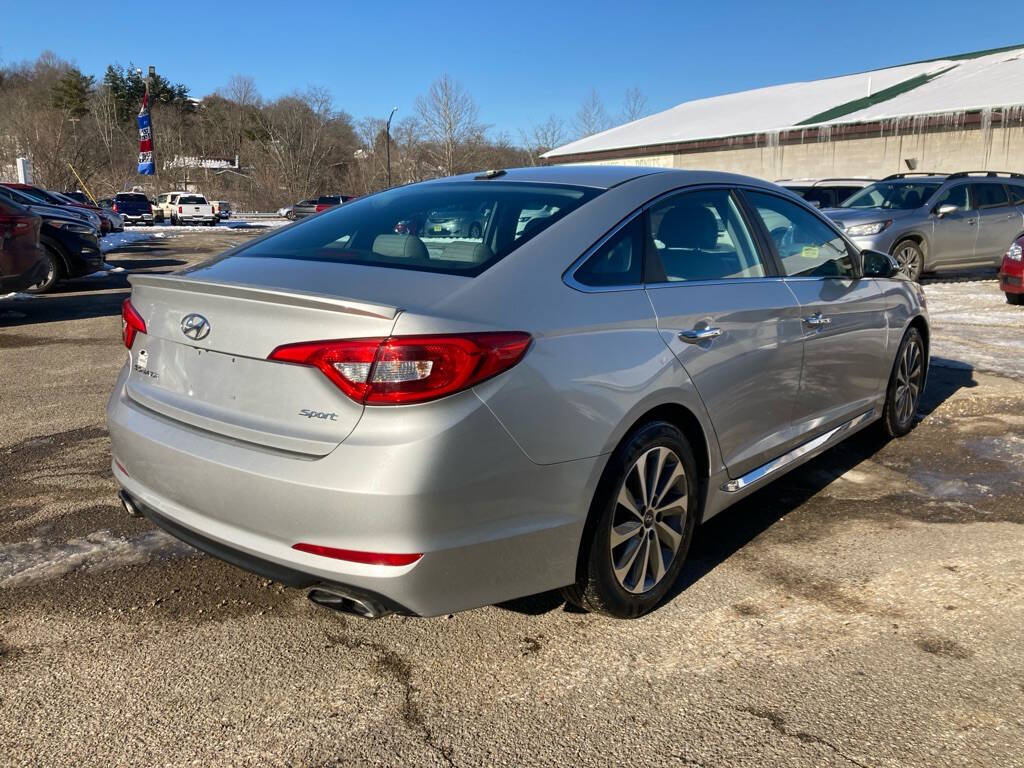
{"points": [[865, 610]]}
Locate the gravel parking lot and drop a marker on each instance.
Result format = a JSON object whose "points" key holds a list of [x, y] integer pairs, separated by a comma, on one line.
{"points": [[866, 610]]}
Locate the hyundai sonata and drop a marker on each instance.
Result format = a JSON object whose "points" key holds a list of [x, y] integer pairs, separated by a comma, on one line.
{"points": [[428, 422]]}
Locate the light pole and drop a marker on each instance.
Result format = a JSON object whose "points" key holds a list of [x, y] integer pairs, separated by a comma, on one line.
{"points": [[387, 138]]}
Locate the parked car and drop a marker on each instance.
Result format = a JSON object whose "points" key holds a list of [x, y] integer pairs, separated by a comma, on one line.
{"points": [[1011, 272], [48, 198], [37, 206], [426, 427], [303, 208], [167, 204], [285, 212], [221, 209], [454, 221], [70, 244], [193, 209], [110, 221], [325, 202], [825, 193], [22, 261], [932, 222], [133, 207]]}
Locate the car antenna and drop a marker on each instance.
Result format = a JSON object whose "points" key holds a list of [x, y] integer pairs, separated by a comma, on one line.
{"points": [[489, 175]]}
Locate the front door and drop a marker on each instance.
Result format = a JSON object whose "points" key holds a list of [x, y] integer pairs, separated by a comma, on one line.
{"points": [[842, 315], [954, 234], [733, 326]]}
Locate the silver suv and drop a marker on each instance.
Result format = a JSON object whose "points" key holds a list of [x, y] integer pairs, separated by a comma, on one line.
{"points": [[936, 221]]}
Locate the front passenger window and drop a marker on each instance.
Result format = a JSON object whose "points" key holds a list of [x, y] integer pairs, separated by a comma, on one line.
{"points": [[955, 195], [807, 246]]}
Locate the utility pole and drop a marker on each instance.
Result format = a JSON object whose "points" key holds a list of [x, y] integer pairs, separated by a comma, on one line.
{"points": [[387, 138]]}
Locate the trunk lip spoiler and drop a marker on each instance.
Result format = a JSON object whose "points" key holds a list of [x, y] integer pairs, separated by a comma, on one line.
{"points": [[252, 292]]}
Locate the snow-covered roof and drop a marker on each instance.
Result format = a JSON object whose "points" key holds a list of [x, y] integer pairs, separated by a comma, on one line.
{"points": [[960, 83]]}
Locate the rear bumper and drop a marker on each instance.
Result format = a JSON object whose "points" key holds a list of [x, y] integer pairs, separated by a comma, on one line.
{"points": [[1011, 276], [134, 218], [449, 483], [26, 279]]}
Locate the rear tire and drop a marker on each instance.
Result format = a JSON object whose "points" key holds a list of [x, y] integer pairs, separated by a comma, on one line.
{"points": [[54, 271], [1015, 298], [910, 258], [906, 382], [643, 513]]}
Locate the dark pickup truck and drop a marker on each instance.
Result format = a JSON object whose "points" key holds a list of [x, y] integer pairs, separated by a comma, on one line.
{"points": [[134, 207]]}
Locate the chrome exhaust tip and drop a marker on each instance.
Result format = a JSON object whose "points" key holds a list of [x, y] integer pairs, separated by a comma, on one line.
{"points": [[342, 602], [129, 505]]}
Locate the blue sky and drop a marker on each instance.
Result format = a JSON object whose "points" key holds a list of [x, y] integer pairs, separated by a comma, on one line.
{"points": [[520, 60]]}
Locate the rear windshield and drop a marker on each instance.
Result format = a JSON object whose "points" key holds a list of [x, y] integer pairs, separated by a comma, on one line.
{"points": [[329, 200], [457, 228], [192, 200], [133, 197], [899, 195]]}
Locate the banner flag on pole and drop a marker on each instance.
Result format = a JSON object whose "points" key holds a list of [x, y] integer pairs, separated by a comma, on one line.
{"points": [[146, 165]]}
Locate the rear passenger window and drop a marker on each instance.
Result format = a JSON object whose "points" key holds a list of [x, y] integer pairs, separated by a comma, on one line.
{"points": [[807, 246], [989, 195], [700, 236], [619, 262]]}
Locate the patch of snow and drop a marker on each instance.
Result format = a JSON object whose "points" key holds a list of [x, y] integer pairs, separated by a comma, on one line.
{"points": [[35, 560], [120, 239], [974, 327]]}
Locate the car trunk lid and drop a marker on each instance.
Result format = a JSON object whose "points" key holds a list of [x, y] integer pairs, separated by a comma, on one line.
{"points": [[203, 358]]}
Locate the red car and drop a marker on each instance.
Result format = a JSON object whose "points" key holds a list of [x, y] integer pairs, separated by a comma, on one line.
{"points": [[1011, 273], [21, 260]]}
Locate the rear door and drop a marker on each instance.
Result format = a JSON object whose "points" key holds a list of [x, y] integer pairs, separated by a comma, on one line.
{"points": [[734, 327], [955, 234], [999, 222], [842, 316]]}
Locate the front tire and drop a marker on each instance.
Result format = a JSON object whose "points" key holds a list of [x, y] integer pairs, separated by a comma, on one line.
{"points": [[910, 258], [905, 385], [640, 524], [1015, 298]]}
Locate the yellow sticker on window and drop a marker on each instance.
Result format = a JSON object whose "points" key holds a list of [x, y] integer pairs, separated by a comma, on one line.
{"points": [[809, 252]]}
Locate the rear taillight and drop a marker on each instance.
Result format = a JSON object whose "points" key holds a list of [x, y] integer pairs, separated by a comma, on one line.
{"points": [[12, 226], [114, 207], [408, 369], [356, 556], [179, 209], [320, 207], [131, 323], [150, 210]]}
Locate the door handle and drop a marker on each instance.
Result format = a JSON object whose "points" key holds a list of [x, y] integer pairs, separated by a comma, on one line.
{"points": [[971, 221], [695, 335], [817, 319]]}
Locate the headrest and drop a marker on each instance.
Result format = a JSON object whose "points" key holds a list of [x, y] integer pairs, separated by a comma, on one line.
{"points": [[400, 247], [689, 225]]}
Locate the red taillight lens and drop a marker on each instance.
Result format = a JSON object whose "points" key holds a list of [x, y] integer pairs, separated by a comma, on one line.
{"points": [[320, 207], [179, 209], [131, 323], [355, 556], [409, 369], [114, 207]]}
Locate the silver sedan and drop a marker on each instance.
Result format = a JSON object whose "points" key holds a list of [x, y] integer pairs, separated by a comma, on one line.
{"points": [[404, 423]]}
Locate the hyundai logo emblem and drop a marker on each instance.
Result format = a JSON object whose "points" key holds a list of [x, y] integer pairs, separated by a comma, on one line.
{"points": [[196, 327]]}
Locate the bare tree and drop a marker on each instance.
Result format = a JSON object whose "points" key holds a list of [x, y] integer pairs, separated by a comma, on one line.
{"points": [[450, 121], [591, 117], [543, 137], [634, 105]]}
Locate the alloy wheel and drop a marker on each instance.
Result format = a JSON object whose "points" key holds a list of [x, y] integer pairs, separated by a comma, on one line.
{"points": [[909, 374], [649, 520], [909, 260]]}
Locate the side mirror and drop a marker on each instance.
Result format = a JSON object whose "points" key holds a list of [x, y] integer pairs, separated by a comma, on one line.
{"points": [[879, 264], [945, 210]]}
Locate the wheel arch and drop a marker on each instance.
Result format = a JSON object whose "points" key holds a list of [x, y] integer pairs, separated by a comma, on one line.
{"points": [[57, 248]]}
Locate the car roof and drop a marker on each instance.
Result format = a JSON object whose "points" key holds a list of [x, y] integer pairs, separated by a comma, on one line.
{"points": [[843, 181], [605, 176]]}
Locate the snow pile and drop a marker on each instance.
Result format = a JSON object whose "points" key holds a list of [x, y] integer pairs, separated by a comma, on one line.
{"points": [[117, 240], [35, 560], [973, 326]]}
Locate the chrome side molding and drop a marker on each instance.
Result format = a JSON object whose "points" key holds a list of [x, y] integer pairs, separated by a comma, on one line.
{"points": [[759, 474]]}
